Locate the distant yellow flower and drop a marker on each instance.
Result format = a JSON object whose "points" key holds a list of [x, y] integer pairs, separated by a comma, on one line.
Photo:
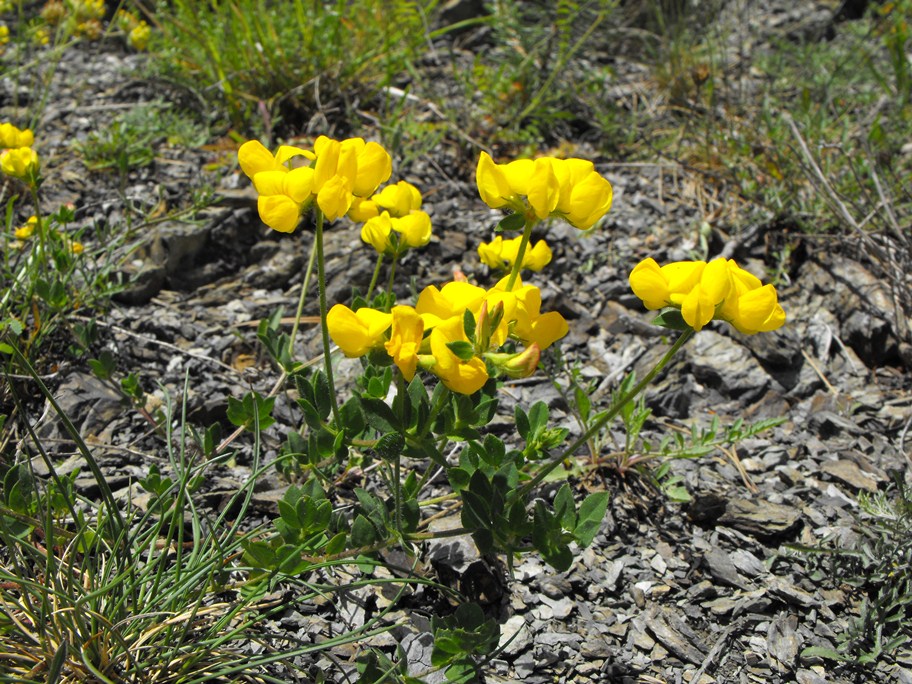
{"points": [[10, 136], [357, 332], [21, 163], [26, 231], [500, 253], [703, 292], [139, 35], [76, 247], [4, 35]]}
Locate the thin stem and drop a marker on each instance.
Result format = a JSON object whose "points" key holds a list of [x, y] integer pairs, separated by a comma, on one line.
{"points": [[374, 278], [517, 265], [389, 284], [321, 280], [304, 287], [610, 414]]}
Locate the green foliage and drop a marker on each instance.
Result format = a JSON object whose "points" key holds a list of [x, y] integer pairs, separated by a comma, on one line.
{"points": [[877, 569], [461, 638], [289, 56]]}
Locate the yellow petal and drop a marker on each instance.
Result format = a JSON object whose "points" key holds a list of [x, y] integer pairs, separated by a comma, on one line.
{"points": [[279, 212], [519, 175], [376, 232], [492, 182], [298, 184], [648, 282], [543, 188], [335, 197], [415, 229], [697, 308], [270, 182], [715, 280], [405, 340], [538, 257], [255, 158], [547, 329], [683, 275], [374, 167], [489, 252]]}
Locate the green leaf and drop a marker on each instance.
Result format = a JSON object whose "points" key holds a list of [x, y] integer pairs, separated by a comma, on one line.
{"points": [[511, 223], [564, 507], [590, 516], [362, 533], [522, 422], [352, 416], [824, 652], [463, 350], [468, 324], [671, 319]]}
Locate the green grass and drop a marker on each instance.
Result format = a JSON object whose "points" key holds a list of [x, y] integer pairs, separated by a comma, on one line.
{"points": [[273, 65]]}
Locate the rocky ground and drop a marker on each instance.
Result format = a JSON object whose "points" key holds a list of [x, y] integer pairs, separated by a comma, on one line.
{"points": [[699, 592]]}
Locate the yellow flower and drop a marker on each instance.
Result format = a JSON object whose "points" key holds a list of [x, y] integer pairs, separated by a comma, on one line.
{"points": [[363, 210], [138, 37], [500, 253], [585, 196], [345, 170], [503, 185], [461, 376], [436, 305], [26, 231], [4, 34], [357, 332], [405, 340], [568, 188], [523, 310], [704, 292], [751, 307], [283, 192], [20, 162], [377, 232], [10, 136], [399, 200], [76, 247]]}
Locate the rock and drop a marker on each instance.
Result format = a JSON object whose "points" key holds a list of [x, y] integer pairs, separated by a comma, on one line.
{"points": [[675, 635], [726, 366], [851, 474], [783, 642], [762, 519]]}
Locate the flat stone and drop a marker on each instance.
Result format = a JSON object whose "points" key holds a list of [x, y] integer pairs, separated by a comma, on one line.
{"points": [[851, 474]]}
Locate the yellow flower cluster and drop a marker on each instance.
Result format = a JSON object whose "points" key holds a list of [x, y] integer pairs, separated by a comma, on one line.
{"points": [[393, 219], [4, 37], [18, 159], [566, 188], [138, 31], [500, 253], [336, 175], [433, 334], [703, 291]]}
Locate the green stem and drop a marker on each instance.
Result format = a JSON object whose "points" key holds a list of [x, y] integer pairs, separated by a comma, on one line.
{"points": [[321, 281], [304, 287], [389, 284], [40, 227], [517, 265], [374, 278], [610, 414]]}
